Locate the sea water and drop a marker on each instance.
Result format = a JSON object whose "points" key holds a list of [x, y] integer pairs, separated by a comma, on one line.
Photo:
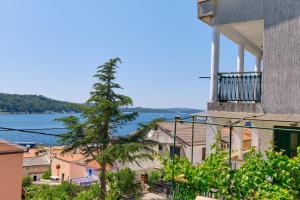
{"points": [[42, 121]]}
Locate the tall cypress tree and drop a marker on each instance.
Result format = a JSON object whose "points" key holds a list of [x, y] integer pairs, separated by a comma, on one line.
{"points": [[101, 118]]}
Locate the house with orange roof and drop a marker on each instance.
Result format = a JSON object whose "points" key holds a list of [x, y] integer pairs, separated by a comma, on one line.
{"points": [[74, 167], [11, 157]]}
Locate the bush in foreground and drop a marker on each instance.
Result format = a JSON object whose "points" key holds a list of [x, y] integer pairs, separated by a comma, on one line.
{"points": [[122, 184], [273, 176]]}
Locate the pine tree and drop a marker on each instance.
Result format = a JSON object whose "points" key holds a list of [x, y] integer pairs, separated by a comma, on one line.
{"points": [[101, 118]]}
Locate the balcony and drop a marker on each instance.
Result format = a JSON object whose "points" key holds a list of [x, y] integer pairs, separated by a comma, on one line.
{"points": [[238, 92], [206, 10], [239, 87]]}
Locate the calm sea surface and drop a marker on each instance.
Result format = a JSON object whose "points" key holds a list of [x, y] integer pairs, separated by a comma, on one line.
{"points": [[40, 121]]}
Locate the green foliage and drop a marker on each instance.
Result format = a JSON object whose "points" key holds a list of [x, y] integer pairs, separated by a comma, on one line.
{"points": [[178, 166], [46, 175], [71, 189], [155, 176], [45, 192], [14, 103], [91, 193], [269, 176], [65, 191], [27, 181], [103, 117], [122, 184]]}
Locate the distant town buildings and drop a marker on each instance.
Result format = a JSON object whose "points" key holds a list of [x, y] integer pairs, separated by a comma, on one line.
{"points": [[74, 167]]}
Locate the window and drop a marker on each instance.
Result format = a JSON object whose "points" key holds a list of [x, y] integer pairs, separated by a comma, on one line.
{"points": [[225, 146], [90, 172], [203, 153], [287, 140], [177, 151], [160, 147]]}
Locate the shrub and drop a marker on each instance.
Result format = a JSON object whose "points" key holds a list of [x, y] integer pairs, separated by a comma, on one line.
{"points": [[65, 191], [122, 184], [155, 176], [46, 175], [70, 189], [27, 181], [47, 192], [91, 193], [269, 176]]}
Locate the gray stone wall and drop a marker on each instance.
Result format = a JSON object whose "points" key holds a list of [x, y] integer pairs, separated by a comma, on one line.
{"points": [[234, 11], [281, 85]]}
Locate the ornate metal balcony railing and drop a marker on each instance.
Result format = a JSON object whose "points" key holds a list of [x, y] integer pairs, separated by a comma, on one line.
{"points": [[243, 86]]}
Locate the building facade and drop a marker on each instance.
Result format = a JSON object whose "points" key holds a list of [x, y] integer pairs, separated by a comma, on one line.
{"points": [[268, 96], [11, 172], [70, 166], [36, 166], [164, 136]]}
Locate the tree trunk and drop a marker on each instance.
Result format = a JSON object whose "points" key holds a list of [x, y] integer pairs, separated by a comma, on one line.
{"points": [[103, 180]]}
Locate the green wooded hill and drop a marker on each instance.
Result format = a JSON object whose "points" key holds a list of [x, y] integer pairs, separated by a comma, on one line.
{"points": [[15, 103]]}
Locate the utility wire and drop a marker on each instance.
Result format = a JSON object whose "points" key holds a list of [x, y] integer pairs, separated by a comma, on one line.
{"points": [[30, 131], [37, 129]]}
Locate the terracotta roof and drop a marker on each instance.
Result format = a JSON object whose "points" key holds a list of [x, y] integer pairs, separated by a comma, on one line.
{"points": [[70, 157], [36, 161], [184, 132], [80, 159], [31, 153], [7, 147], [94, 164]]}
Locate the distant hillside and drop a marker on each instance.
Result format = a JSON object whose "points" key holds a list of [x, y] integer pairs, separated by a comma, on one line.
{"points": [[14, 103], [160, 110]]}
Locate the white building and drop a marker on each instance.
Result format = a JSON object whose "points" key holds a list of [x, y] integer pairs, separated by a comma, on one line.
{"points": [[164, 136], [268, 96]]}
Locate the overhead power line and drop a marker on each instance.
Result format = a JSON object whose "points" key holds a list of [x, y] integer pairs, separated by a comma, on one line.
{"points": [[36, 129], [30, 131]]}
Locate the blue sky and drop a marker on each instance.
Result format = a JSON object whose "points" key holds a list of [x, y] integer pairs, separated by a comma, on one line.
{"points": [[53, 48]]}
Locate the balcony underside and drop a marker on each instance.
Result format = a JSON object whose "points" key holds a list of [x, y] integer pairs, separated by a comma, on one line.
{"points": [[235, 107]]}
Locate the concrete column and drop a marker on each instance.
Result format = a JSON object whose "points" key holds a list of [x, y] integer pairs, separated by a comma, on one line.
{"points": [[255, 139], [240, 67], [215, 56], [240, 58], [258, 64], [237, 143], [213, 134]]}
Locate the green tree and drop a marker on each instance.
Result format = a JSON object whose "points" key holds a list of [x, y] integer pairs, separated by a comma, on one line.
{"points": [[102, 117]]}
